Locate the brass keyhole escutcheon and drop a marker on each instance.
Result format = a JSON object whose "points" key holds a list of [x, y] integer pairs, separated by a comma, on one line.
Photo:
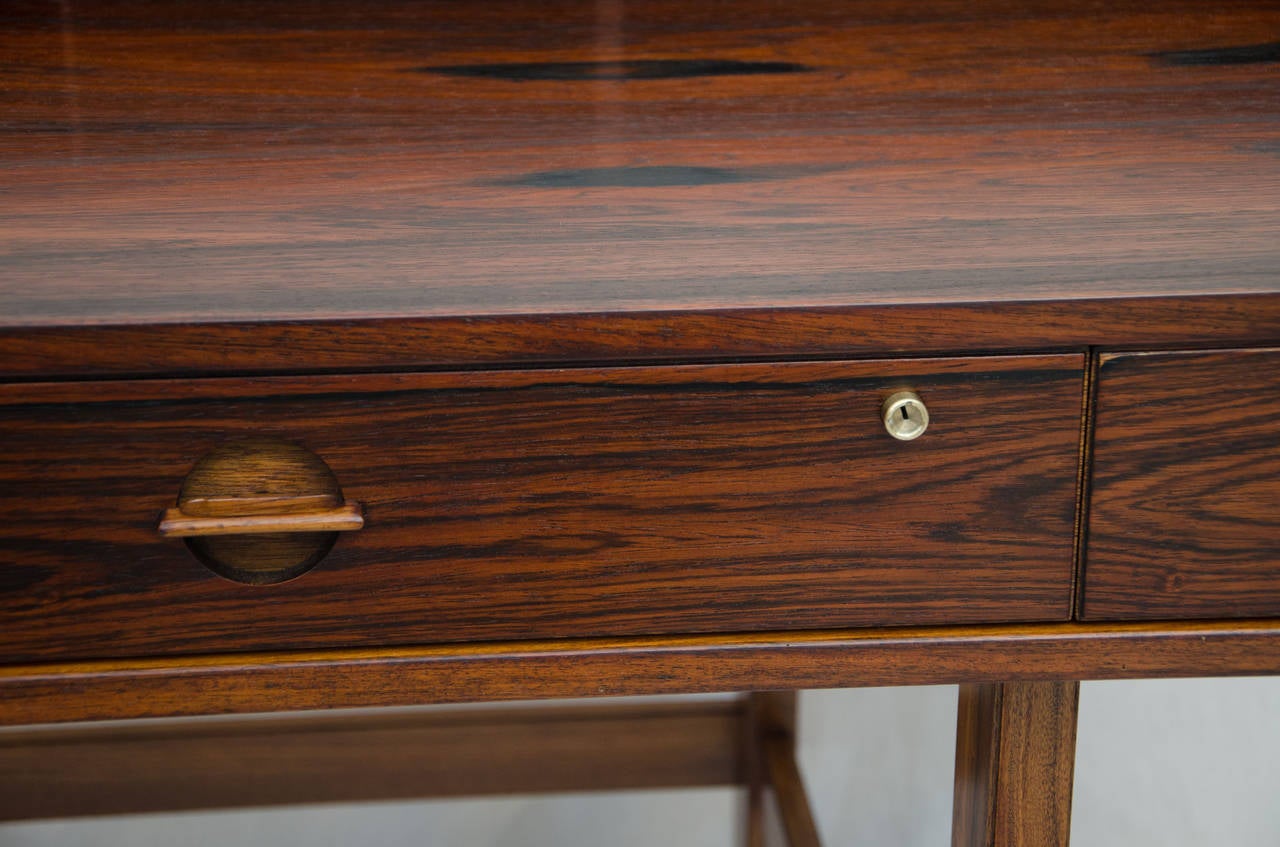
{"points": [[260, 511], [905, 415]]}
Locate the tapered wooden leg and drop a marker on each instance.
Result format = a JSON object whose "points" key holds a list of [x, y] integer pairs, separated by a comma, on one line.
{"points": [[778, 810], [1015, 756], [755, 814]]}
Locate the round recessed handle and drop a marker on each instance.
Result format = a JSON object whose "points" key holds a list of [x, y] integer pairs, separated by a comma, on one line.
{"points": [[905, 415], [260, 511]]}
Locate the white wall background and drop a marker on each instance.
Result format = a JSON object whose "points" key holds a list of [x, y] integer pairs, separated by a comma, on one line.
{"points": [[1168, 763]]}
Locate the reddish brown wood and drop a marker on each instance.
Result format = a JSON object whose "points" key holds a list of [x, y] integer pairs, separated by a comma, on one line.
{"points": [[770, 718], [764, 333], [789, 795], [230, 163], [240, 189], [1015, 755], [756, 826], [740, 662], [554, 503], [199, 764], [1185, 517], [977, 765], [175, 523], [1084, 482]]}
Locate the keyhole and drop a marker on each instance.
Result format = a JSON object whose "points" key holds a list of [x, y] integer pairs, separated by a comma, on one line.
{"points": [[905, 416]]}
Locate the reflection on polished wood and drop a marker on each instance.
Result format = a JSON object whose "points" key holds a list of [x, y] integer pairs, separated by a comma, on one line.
{"points": [[597, 304], [248, 162]]}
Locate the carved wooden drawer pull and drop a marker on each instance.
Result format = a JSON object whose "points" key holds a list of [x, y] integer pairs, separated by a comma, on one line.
{"points": [[181, 523], [260, 511]]}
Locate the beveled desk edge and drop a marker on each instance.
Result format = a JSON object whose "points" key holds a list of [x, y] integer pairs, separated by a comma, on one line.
{"points": [[335, 344], [262, 682]]}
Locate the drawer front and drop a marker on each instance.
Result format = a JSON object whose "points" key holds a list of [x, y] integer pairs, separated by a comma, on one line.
{"points": [[533, 504], [1185, 508]]}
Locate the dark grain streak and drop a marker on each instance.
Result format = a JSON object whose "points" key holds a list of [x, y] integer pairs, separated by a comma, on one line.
{"points": [[212, 165], [679, 499], [1243, 54], [656, 176], [1185, 514], [627, 70]]}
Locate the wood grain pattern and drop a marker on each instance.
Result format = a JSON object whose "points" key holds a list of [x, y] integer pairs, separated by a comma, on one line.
{"points": [[1185, 518], [175, 523], [1037, 763], [794, 813], [729, 334], [555, 503], [178, 765], [663, 665], [230, 162], [245, 189], [770, 715], [195, 764], [977, 758], [1015, 755]]}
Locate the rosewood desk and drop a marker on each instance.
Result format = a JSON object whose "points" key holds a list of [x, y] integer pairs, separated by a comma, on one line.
{"points": [[395, 353]]}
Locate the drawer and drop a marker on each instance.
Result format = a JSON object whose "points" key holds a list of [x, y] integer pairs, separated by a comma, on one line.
{"points": [[1185, 514], [552, 503]]}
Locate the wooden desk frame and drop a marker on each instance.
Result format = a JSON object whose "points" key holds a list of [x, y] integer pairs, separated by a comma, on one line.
{"points": [[331, 198], [1015, 740]]}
